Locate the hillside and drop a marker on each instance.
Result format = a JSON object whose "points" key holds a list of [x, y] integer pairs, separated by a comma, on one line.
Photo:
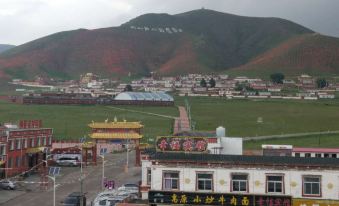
{"points": [[196, 41], [310, 53], [4, 47]]}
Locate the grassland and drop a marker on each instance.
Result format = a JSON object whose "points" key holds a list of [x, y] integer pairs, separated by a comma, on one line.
{"points": [[238, 116], [279, 116], [330, 140], [71, 121]]}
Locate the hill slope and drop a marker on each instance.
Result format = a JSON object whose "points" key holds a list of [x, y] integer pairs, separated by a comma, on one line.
{"points": [[198, 41], [4, 47], [310, 53]]}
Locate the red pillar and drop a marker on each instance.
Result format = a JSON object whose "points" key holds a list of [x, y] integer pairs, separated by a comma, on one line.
{"points": [[137, 153]]}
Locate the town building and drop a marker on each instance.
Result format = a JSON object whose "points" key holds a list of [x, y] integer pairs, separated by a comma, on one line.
{"points": [[116, 135], [23, 146], [213, 179], [182, 171]]}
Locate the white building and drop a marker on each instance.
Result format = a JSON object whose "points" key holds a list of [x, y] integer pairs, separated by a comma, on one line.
{"points": [[307, 181]]}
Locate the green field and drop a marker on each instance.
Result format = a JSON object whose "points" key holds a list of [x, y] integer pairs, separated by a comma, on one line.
{"points": [[279, 116], [238, 116], [331, 140], [71, 121]]}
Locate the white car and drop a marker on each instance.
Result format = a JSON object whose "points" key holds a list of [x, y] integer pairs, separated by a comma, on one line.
{"points": [[68, 161], [129, 187], [7, 184]]}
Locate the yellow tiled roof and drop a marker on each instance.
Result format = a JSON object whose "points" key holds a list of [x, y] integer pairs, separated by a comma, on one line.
{"points": [[127, 135], [116, 125], [88, 145]]}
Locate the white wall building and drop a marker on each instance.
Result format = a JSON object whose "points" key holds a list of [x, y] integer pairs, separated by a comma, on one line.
{"points": [[304, 179]]}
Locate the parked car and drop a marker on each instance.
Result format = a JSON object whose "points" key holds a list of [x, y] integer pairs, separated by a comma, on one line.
{"points": [[68, 161], [7, 184], [74, 199], [129, 187]]}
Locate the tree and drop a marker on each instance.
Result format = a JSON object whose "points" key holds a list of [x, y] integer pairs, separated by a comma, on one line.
{"points": [[277, 78], [203, 83], [212, 83], [321, 83], [128, 88]]}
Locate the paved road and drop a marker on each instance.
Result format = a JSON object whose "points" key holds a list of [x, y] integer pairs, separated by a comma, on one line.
{"points": [[69, 182], [181, 123]]}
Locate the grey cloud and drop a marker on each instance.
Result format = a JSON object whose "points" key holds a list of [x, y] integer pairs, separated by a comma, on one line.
{"points": [[26, 20]]}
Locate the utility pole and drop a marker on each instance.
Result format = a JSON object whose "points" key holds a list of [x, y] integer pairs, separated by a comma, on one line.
{"points": [[81, 180], [103, 171], [53, 178]]}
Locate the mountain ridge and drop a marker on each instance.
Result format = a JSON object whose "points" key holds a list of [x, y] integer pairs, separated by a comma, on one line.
{"points": [[195, 41], [5, 47]]}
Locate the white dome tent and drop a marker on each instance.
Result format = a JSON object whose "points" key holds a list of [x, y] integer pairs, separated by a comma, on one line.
{"points": [[144, 96]]}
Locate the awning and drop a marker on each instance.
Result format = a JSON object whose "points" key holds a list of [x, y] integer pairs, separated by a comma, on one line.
{"points": [[35, 150], [127, 135]]}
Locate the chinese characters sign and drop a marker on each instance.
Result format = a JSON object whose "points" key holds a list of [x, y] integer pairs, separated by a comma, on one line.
{"points": [[181, 144], [311, 202], [194, 198]]}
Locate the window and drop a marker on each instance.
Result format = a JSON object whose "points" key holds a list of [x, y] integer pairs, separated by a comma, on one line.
{"points": [[204, 181], [171, 180], [318, 155], [326, 155], [18, 144], [334, 155], [44, 141], [17, 161], [307, 154], [50, 141], [275, 184], [2, 150], [9, 164], [297, 155], [25, 143], [38, 142], [239, 182], [311, 185], [23, 159], [11, 145], [32, 143], [149, 176]]}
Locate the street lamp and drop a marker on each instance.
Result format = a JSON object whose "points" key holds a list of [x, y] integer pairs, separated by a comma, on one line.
{"points": [[103, 171], [53, 178]]}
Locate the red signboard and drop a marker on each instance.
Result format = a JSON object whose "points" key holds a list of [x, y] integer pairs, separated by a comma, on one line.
{"points": [[181, 144]]}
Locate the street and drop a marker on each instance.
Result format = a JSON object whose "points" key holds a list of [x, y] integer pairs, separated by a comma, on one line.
{"points": [[69, 181]]}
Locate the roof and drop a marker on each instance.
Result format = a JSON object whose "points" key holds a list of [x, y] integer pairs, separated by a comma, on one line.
{"points": [[242, 159], [127, 135], [145, 96], [116, 125], [316, 150]]}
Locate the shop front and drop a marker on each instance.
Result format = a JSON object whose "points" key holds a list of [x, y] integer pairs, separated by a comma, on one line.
{"points": [[229, 199]]}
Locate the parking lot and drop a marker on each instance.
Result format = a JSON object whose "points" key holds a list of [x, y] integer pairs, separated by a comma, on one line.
{"points": [[29, 194]]}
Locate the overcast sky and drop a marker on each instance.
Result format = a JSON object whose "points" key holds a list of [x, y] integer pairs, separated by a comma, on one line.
{"points": [[25, 20]]}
